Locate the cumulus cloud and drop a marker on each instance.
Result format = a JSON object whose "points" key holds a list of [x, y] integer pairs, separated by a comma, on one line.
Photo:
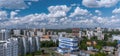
{"points": [[78, 11], [90, 3], [97, 21], [58, 17], [98, 12], [58, 11], [36, 20], [107, 21], [14, 4], [99, 3], [13, 14], [116, 11], [113, 16], [31, 0], [57, 14], [3, 15], [29, 3], [53, 9]]}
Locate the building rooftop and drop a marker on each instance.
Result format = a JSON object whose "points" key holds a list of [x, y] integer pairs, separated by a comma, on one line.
{"points": [[1, 42]]}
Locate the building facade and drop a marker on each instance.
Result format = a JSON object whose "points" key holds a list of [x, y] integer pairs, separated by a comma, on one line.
{"points": [[4, 34], [67, 45], [9, 47], [28, 45]]}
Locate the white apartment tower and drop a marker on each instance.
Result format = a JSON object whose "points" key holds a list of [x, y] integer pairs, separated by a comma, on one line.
{"points": [[80, 34], [4, 34], [9, 47], [14, 46], [16, 32], [100, 35]]}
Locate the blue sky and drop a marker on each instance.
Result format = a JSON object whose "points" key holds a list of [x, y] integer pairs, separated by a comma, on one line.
{"points": [[41, 7], [59, 13]]}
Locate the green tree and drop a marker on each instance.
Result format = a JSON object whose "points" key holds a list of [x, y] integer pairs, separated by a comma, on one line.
{"points": [[99, 54], [93, 38], [83, 45], [98, 47], [48, 44], [106, 37]]}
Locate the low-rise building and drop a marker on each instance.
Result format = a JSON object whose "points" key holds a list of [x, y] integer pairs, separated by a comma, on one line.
{"points": [[115, 37], [45, 38], [108, 49], [86, 53], [67, 44], [91, 43], [54, 38], [117, 53]]}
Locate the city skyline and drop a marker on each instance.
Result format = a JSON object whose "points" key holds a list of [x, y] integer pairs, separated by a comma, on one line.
{"points": [[59, 13]]}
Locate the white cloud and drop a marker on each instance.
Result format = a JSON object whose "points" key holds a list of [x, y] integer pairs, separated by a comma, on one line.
{"points": [[31, 0], [108, 3], [63, 19], [41, 20], [99, 3], [58, 17], [29, 3], [98, 12], [101, 20], [58, 11], [54, 18], [107, 21], [113, 16], [57, 14], [13, 14], [73, 4], [114, 20], [53, 9], [17, 10], [116, 11], [78, 11], [14, 4], [3, 14], [90, 3]]}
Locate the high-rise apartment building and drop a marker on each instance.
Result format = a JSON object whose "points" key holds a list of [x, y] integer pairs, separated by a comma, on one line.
{"points": [[80, 34], [44, 31], [16, 32], [14, 46], [4, 34], [100, 35], [28, 45], [9, 47]]}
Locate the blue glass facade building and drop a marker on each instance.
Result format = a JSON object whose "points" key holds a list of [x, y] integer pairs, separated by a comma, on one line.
{"points": [[67, 45]]}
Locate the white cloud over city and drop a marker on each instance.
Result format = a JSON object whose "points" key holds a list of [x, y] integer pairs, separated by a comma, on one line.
{"points": [[15, 4], [99, 3], [60, 15]]}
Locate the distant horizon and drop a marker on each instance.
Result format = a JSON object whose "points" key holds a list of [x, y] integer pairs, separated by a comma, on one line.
{"points": [[63, 28]]}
